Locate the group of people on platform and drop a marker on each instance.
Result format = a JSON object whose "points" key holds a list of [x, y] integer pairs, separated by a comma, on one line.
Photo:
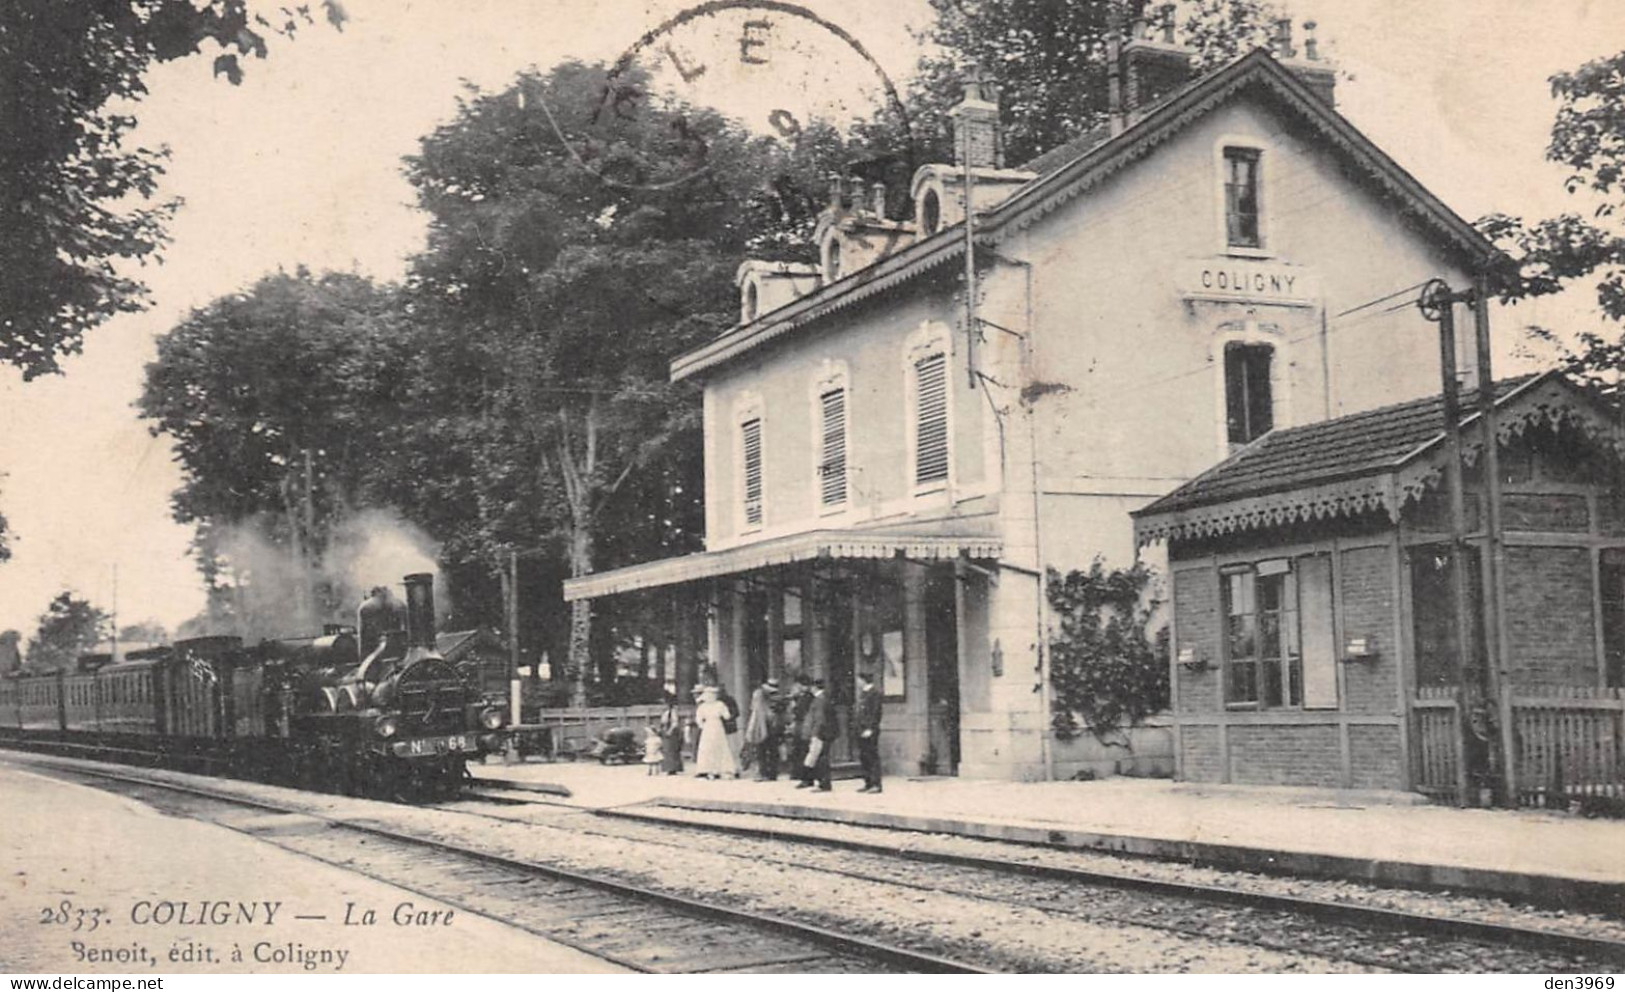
{"points": [[794, 730]]}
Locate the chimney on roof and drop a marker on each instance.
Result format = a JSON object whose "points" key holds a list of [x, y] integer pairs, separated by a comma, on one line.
{"points": [[977, 137], [1154, 63], [1316, 73]]}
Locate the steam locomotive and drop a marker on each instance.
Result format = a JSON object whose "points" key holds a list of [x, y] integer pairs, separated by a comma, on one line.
{"points": [[371, 710]]}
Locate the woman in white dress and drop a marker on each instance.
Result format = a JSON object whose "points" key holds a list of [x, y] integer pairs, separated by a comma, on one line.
{"points": [[713, 757]]}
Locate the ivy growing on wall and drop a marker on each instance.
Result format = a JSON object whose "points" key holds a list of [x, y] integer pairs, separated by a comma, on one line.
{"points": [[1107, 670]]}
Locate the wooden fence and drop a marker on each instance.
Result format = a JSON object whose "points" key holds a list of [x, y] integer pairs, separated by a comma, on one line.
{"points": [[1563, 744], [1436, 768], [572, 731]]}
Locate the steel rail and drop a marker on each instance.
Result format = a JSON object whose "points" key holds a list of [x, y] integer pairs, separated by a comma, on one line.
{"points": [[1325, 910], [812, 933]]}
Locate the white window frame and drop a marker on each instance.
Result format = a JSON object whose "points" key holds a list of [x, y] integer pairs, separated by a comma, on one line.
{"points": [[748, 407], [834, 375], [932, 337], [1266, 198]]}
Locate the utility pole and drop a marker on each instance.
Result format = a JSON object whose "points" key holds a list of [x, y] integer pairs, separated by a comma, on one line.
{"points": [[1437, 304], [1497, 675]]}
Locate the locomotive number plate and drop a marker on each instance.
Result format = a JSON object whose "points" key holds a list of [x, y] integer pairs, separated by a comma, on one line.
{"points": [[434, 745]]}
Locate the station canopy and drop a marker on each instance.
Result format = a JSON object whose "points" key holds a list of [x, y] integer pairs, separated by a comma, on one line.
{"points": [[811, 546]]}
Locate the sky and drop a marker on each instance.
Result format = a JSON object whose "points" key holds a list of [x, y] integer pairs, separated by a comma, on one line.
{"points": [[301, 165]]}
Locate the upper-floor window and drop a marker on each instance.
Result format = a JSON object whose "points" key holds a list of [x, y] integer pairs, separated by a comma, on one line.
{"points": [[930, 213], [750, 436], [931, 418], [1248, 396], [1279, 644], [832, 260], [832, 447], [752, 302], [1241, 198]]}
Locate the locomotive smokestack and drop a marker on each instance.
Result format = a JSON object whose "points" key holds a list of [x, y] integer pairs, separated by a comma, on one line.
{"points": [[420, 610]]}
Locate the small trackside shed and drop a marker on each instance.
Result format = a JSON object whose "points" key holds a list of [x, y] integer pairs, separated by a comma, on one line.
{"points": [[1314, 614]]}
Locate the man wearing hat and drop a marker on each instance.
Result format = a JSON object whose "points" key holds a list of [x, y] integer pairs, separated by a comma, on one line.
{"points": [[868, 722], [820, 734], [764, 728], [800, 704]]}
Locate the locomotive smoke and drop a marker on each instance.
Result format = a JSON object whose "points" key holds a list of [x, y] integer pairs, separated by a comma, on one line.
{"points": [[378, 548], [276, 596]]}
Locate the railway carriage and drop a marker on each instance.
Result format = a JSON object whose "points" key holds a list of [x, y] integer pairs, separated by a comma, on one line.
{"points": [[385, 716]]}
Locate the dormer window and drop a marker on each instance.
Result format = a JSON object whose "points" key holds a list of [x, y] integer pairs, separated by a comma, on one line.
{"points": [[1241, 198], [930, 213]]}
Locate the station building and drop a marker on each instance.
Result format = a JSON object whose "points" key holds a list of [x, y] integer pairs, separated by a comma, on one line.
{"points": [[901, 439]]}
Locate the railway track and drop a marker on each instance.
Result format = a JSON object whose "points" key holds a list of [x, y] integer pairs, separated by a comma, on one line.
{"points": [[636, 927], [1584, 948], [999, 876], [1362, 933]]}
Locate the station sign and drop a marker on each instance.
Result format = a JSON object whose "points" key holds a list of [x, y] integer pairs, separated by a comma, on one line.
{"points": [[1248, 280]]}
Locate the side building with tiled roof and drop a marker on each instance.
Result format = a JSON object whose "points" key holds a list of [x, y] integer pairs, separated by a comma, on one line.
{"points": [[1314, 601], [902, 438]]}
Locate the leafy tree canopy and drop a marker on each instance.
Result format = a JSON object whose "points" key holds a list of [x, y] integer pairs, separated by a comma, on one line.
{"points": [[1588, 137], [1048, 62], [75, 199], [69, 628]]}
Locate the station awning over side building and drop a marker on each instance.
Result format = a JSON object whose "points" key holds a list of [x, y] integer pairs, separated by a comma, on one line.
{"points": [[823, 544]]}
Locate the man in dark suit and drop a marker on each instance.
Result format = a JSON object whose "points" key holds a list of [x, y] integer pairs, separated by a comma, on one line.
{"points": [[820, 733], [868, 721], [800, 703]]}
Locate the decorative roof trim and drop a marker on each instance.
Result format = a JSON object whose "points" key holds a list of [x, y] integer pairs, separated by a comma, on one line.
{"points": [[780, 551], [1547, 400], [1348, 498]]}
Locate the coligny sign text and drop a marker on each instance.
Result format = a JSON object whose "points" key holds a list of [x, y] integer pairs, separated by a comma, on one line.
{"points": [[1248, 281]]}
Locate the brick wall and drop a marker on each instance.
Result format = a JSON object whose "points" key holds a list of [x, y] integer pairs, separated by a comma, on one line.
{"points": [[1199, 747], [1286, 754], [1375, 761], [1367, 607], [1551, 637], [1196, 598]]}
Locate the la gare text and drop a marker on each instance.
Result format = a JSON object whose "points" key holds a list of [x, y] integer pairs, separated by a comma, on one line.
{"points": [[272, 913]]}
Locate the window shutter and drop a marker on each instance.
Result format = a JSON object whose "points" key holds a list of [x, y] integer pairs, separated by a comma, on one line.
{"points": [[751, 431], [931, 424], [832, 468]]}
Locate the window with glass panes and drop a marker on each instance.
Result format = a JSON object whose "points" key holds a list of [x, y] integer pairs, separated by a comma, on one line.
{"points": [[1262, 654], [1241, 198], [1248, 394]]}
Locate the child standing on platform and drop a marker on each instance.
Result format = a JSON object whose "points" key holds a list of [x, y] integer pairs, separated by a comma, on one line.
{"points": [[652, 749]]}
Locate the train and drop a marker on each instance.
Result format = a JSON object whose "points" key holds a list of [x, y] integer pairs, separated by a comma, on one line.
{"points": [[371, 709]]}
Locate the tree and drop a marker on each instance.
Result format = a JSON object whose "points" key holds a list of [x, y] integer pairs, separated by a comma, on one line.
{"points": [[281, 402], [1588, 137], [1047, 62], [68, 629], [74, 198], [11, 657], [1104, 667], [574, 250]]}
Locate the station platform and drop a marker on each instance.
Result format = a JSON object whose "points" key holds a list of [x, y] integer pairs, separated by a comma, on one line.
{"points": [[1388, 838]]}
